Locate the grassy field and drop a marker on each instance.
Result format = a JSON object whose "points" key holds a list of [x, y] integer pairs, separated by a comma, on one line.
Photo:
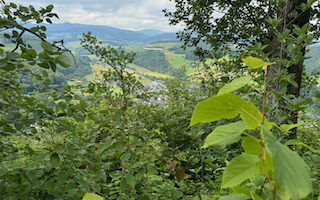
{"points": [[164, 44], [156, 74], [135, 49]]}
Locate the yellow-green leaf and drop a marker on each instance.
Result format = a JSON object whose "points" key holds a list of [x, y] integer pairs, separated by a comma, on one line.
{"points": [[287, 127], [226, 134], [215, 108], [251, 146], [235, 85], [239, 169], [255, 63], [92, 196]]}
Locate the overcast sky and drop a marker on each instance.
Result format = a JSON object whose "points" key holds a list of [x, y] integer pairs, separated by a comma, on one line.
{"points": [[123, 14]]}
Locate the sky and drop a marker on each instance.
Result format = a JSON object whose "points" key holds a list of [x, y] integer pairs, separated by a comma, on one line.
{"points": [[122, 14]]}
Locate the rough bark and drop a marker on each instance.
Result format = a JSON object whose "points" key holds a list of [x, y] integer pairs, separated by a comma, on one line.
{"points": [[297, 69]]}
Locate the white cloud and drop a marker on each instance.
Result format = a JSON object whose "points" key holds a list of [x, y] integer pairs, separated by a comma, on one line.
{"points": [[123, 14]]}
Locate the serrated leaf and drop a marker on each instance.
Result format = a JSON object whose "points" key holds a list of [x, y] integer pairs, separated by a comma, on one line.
{"points": [[180, 173], [255, 63], [225, 134], [94, 116], [64, 61], [70, 150], [151, 168], [92, 196], [46, 47], [215, 108], [235, 85], [40, 158], [130, 180], [54, 160], [251, 146], [120, 146], [239, 169], [61, 178], [123, 185], [105, 146], [49, 185], [124, 157], [291, 174], [251, 115]]}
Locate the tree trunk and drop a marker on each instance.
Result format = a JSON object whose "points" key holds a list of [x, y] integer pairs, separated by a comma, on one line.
{"points": [[288, 21]]}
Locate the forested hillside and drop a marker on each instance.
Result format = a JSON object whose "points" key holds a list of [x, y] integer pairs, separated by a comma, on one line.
{"points": [[313, 63], [155, 61]]}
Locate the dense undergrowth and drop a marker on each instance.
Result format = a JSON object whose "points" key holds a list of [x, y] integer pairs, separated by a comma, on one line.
{"points": [[60, 144]]}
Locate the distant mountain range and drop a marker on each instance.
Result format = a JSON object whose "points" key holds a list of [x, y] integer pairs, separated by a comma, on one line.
{"points": [[72, 32]]}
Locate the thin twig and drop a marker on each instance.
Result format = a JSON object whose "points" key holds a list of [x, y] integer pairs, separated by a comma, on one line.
{"points": [[18, 42]]}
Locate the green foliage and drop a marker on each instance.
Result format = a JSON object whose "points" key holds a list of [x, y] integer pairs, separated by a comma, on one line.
{"points": [[288, 176]]}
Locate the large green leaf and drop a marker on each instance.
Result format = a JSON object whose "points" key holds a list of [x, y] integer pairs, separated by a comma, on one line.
{"points": [[216, 108], [227, 106], [130, 179], [226, 134], [251, 115], [92, 196], [239, 169], [49, 185], [64, 61], [235, 85], [251, 146], [246, 191], [255, 63], [291, 174], [105, 146]]}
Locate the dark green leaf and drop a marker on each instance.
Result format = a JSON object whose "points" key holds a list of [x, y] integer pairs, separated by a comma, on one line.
{"points": [[130, 180], [49, 185], [46, 47], [64, 61], [40, 158], [62, 177], [55, 160], [180, 174]]}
